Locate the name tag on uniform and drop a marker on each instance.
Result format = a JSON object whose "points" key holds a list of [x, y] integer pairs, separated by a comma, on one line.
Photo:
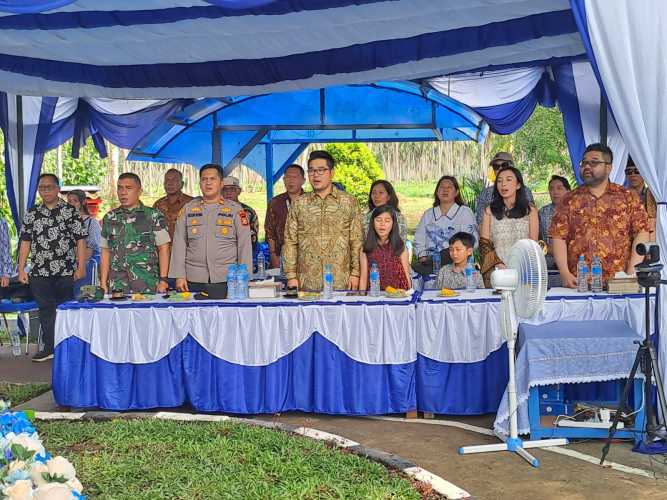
{"points": [[196, 214]]}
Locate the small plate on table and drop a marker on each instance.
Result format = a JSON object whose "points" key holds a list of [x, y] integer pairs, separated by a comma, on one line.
{"points": [[395, 293], [309, 296], [448, 293]]}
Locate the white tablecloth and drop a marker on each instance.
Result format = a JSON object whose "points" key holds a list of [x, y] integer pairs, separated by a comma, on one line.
{"points": [[465, 329], [251, 332]]}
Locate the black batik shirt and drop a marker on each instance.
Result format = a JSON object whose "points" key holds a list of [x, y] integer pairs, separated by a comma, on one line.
{"points": [[52, 235]]}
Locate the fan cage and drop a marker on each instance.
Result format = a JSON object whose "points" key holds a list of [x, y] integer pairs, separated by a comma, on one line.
{"points": [[527, 258]]}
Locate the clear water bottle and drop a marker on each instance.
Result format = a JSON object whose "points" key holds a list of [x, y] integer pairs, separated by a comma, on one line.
{"points": [[232, 282], [15, 338], [582, 275], [242, 280], [327, 281], [436, 262], [471, 277], [596, 275], [374, 278], [261, 266]]}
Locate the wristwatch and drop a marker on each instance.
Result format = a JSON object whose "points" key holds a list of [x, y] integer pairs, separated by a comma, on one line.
{"points": [[164, 278]]}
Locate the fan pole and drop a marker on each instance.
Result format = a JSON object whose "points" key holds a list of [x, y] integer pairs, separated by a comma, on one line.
{"points": [[512, 442]]}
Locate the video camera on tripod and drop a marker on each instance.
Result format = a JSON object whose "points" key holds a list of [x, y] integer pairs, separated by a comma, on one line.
{"points": [[646, 360]]}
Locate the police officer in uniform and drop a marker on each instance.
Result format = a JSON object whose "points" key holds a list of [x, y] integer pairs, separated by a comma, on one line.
{"points": [[211, 233], [134, 243]]}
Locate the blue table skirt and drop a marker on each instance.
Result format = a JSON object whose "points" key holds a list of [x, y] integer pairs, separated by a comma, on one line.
{"points": [[477, 388], [316, 377], [462, 388]]}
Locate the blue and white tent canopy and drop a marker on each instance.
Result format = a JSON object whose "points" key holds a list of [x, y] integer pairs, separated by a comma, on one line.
{"points": [[196, 48]]}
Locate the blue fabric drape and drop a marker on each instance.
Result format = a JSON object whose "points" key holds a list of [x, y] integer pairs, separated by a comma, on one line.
{"points": [[121, 386], [508, 118], [316, 377], [31, 6], [462, 388]]}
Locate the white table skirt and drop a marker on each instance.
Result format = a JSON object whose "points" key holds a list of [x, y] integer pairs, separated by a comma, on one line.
{"points": [[251, 333], [465, 329]]}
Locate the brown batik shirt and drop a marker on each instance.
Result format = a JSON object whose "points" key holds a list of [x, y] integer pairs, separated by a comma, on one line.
{"points": [[605, 226], [322, 231], [171, 210]]}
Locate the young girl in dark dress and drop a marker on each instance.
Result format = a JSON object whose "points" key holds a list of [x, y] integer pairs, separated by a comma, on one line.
{"points": [[384, 246]]}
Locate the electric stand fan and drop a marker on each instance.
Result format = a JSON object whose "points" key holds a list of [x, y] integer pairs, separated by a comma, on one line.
{"points": [[523, 287]]}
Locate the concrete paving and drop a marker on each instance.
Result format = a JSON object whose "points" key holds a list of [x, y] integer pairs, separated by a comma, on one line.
{"points": [[435, 448]]}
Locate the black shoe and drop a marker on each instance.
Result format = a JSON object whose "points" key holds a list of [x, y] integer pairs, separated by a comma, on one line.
{"points": [[42, 356]]}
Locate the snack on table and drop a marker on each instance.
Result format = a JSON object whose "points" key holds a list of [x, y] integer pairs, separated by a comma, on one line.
{"points": [[390, 291], [448, 292], [309, 295], [138, 296]]}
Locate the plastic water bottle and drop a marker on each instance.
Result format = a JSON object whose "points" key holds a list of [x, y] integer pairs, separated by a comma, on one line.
{"points": [[471, 282], [242, 279], [15, 338], [261, 266], [374, 276], [232, 282], [582, 275], [327, 281], [436, 262], [596, 275]]}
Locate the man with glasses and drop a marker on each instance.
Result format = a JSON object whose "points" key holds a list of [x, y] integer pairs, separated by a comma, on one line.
{"points": [[599, 218], [54, 236], [323, 227], [501, 159], [636, 183]]}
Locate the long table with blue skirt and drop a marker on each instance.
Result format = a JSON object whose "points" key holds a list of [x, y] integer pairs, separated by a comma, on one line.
{"points": [[462, 363], [349, 355]]}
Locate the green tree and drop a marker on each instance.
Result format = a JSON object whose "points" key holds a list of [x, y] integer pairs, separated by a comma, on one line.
{"points": [[356, 168], [539, 148], [88, 169]]}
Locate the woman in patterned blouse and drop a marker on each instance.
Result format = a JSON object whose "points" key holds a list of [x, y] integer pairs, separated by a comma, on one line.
{"points": [[558, 187], [384, 246]]}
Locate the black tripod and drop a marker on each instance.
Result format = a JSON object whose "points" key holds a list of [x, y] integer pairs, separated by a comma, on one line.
{"points": [[648, 275]]}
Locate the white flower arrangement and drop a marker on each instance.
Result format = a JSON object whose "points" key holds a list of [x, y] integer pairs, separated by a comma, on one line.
{"points": [[27, 471]]}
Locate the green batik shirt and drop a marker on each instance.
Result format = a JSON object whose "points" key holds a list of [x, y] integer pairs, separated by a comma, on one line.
{"points": [[133, 237]]}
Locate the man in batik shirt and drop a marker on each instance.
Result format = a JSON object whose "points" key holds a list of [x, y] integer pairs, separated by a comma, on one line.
{"points": [[323, 227], [54, 237], [599, 218], [174, 200]]}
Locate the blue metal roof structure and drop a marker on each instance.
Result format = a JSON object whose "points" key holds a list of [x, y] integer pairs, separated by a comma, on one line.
{"points": [[268, 132]]}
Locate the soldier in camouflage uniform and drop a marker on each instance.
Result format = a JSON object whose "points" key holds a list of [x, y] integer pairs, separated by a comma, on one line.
{"points": [[134, 243]]}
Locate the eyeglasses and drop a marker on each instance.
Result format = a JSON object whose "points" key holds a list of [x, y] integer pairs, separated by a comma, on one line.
{"points": [[317, 171], [593, 163], [498, 165], [631, 171]]}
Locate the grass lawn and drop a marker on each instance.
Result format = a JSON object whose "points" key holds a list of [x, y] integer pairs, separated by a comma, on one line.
{"points": [[158, 459], [20, 393]]}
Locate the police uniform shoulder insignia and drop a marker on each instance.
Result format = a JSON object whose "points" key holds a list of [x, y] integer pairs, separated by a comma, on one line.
{"points": [[243, 215]]}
